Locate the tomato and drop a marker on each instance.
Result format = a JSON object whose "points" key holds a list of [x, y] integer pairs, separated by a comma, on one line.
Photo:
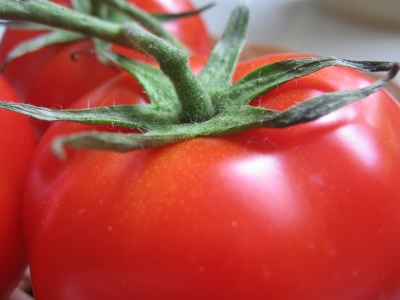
{"points": [[17, 146], [50, 78], [306, 212]]}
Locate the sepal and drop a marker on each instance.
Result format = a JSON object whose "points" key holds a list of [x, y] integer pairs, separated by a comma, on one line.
{"points": [[270, 76], [217, 73], [185, 14], [230, 121]]}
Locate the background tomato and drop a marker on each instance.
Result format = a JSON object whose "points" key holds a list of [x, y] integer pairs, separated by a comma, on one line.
{"points": [[307, 212], [50, 78], [17, 146]]}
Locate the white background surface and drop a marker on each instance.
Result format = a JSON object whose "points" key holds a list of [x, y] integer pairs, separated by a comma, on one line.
{"points": [[303, 26]]}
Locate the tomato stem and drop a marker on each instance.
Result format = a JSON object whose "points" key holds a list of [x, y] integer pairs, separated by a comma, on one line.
{"points": [[173, 61], [196, 103], [183, 106], [54, 15]]}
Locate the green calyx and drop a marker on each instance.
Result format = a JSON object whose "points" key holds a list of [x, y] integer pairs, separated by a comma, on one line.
{"points": [[184, 106], [115, 11]]}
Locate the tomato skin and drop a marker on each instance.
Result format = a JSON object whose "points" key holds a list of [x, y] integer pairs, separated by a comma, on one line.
{"points": [[50, 78], [307, 212], [17, 146]]}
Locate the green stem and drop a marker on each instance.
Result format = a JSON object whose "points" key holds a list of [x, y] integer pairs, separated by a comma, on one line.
{"points": [[196, 103], [48, 13], [144, 19]]}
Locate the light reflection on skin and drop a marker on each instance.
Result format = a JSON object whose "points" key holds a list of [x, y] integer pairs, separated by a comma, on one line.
{"points": [[344, 115], [270, 179], [361, 146], [269, 182], [355, 137]]}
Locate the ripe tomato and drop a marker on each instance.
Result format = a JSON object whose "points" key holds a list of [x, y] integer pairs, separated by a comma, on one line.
{"points": [[49, 76], [17, 146], [306, 212]]}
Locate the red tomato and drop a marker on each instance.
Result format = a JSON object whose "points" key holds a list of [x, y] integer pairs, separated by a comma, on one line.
{"points": [[307, 212], [49, 76], [17, 146]]}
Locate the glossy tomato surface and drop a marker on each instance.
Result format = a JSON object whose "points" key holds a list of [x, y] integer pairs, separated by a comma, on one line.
{"points": [[50, 77], [307, 212], [16, 150]]}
